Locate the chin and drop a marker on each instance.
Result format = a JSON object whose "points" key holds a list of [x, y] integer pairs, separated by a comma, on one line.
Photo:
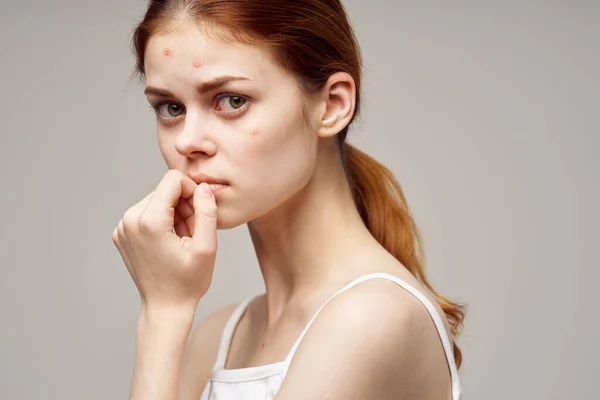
{"points": [[230, 216], [225, 224], [228, 220]]}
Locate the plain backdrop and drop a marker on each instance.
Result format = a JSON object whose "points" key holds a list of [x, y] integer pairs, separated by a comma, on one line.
{"points": [[486, 112]]}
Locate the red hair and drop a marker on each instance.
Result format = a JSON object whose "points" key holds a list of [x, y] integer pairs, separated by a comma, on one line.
{"points": [[312, 39]]}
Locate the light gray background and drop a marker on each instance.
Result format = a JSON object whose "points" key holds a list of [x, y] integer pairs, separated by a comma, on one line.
{"points": [[487, 112]]}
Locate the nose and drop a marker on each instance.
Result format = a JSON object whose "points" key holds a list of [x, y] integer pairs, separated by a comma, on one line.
{"points": [[194, 141]]}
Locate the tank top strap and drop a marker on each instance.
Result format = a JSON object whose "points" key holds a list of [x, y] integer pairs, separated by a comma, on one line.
{"points": [[227, 334], [439, 324]]}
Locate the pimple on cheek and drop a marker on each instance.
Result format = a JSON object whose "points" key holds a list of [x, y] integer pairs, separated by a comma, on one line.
{"points": [[197, 64], [167, 52], [252, 146]]}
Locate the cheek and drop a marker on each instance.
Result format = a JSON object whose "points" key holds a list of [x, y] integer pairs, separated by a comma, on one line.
{"points": [[168, 152], [265, 147], [254, 145]]}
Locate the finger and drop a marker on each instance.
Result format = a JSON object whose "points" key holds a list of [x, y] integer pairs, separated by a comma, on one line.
{"points": [[181, 224], [173, 186], [136, 210], [182, 230], [187, 212], [177, 218], [118, 240], [204, 239], [184, 210]]}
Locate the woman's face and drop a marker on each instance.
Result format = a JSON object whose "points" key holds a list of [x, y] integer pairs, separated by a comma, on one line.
{"points": [[232, 112]]}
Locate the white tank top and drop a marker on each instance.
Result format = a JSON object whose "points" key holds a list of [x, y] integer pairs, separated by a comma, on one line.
{"points": [[263, 382]]}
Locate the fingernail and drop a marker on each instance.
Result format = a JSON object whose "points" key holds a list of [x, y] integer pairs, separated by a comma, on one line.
{"points": [[205, 190]]}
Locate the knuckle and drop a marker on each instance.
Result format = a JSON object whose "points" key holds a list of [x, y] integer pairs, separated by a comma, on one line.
{"points": [[204, 252], [211, 209], [120, 228], [146, 223], [173, 174], [128, 221], [128, 216]]}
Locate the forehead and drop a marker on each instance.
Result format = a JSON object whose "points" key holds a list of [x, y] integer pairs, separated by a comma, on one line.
{"points": [[179, 52]]}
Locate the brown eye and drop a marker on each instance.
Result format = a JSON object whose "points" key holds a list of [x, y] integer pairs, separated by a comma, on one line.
{"points": [[171, 110], [236, 101], [231, 103]]}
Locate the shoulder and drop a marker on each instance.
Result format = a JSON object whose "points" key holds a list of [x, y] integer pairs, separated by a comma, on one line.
{"points": [[202, 350], [376, 340]]}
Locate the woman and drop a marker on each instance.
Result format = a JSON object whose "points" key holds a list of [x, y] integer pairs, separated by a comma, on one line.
{"points": [[253, 101]]}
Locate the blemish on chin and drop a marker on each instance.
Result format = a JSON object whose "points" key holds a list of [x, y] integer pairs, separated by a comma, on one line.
{"points": [[197, 64], [167, 52]]}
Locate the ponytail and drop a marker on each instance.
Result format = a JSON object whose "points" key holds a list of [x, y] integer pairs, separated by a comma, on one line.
{"points": [[383, 208]]}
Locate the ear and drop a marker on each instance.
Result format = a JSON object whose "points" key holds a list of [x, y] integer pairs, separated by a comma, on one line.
{"points": [[338, 102]]}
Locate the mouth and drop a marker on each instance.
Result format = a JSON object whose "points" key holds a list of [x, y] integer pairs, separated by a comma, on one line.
{"points": [[217, 187], [215, 184], [199, 178]]}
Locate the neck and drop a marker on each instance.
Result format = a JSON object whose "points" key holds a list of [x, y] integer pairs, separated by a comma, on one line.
{"points": [[307, 244]]}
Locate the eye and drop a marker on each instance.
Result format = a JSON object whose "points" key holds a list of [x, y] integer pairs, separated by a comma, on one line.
{"points": [[169, 110], [230, 103]]}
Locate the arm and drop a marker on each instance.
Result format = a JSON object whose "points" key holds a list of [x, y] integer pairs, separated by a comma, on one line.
{"points": [[160, 362], [375, 341], [169, 248], [202, 353], [160, 347]]}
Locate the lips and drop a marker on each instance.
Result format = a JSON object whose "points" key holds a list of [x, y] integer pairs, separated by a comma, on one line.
{"points": [[217, 187], [211, 180]]}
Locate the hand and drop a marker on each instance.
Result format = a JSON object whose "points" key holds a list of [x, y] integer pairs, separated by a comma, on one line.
{"points": [[168, 242]]}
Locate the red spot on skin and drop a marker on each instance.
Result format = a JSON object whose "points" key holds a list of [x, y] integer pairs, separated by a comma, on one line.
{"points": [[167, 52], [255, 132], [197, 64]]}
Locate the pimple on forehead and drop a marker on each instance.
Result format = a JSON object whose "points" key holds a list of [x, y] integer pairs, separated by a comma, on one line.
{"points": [[197, 64], [255, 132], [167, 52]]}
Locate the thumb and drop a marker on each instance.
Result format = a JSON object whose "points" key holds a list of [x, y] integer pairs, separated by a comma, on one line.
{"points": [[205, 220]]}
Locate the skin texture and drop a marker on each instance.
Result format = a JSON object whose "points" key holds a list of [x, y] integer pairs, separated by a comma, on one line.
{"points": [[275, 146]]}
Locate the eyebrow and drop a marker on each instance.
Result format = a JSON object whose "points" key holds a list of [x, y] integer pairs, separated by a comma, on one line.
{"points": [[201, 87]]}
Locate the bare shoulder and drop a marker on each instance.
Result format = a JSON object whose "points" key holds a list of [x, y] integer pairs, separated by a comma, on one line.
{"points": [[202, 351], [375, 340]]}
